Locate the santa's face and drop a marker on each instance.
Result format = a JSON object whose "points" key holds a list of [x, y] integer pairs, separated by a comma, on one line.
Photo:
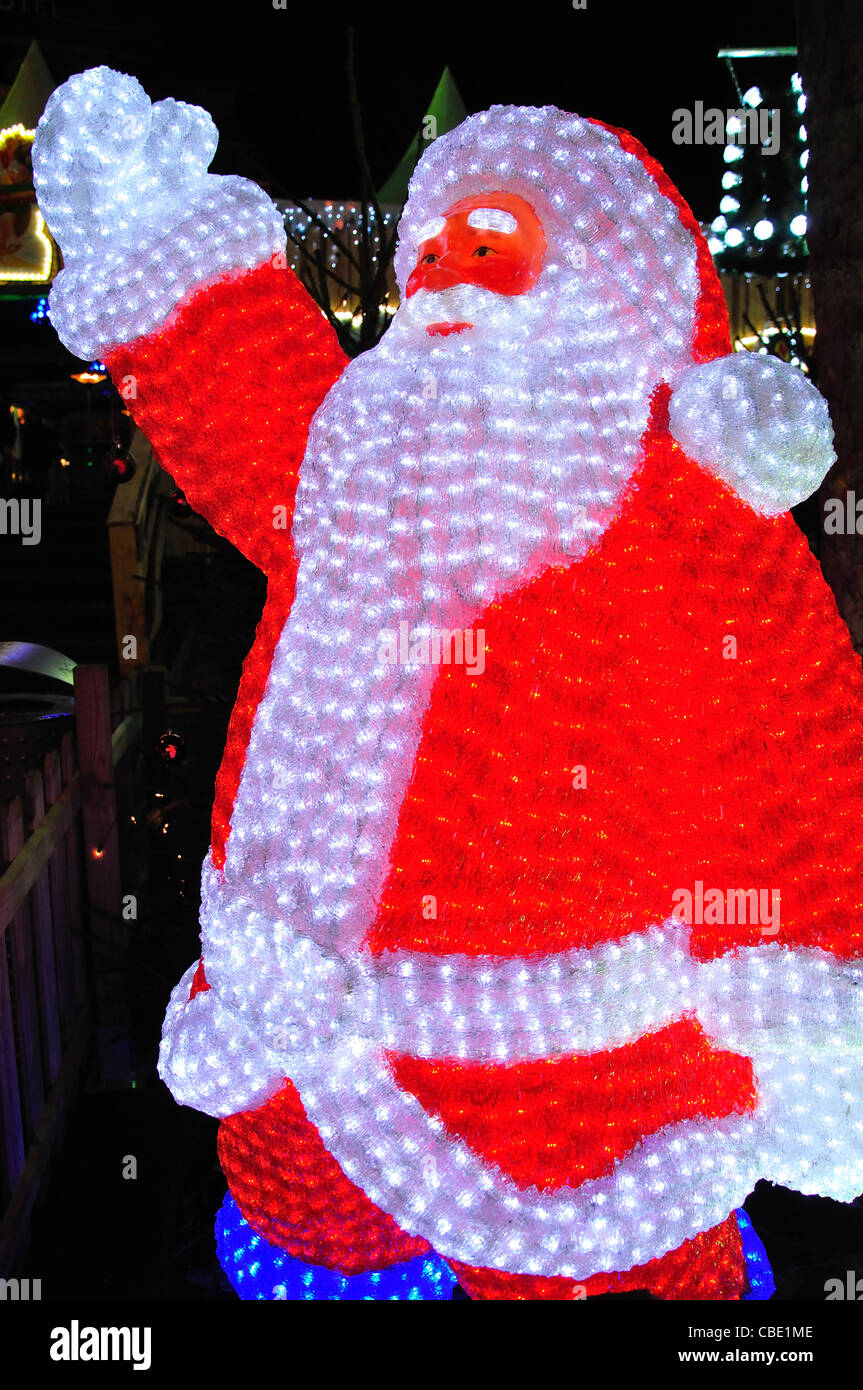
{"points": [[502, 410], [491, 241]]}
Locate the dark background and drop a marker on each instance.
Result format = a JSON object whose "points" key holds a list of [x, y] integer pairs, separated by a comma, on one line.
{"points": [[274, 80]]}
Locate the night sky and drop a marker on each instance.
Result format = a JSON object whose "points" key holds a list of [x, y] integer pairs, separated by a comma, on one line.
{"points": [[274, 79]]}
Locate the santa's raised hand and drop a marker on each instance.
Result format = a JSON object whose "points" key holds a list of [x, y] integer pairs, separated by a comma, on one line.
{"points": [[123, 184]]}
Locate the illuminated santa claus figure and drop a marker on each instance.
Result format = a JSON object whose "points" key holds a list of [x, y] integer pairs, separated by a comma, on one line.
{"points": [[527, 931]]}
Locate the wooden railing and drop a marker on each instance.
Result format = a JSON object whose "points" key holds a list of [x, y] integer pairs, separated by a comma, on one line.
{"points": [[138, 539], [62, 943]]}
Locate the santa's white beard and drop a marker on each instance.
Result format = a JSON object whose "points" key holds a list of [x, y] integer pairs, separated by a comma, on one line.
{"points": [[440, 473]]}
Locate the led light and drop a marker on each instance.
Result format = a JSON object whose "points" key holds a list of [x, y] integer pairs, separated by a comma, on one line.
{"points": [[164, 225], [431, 229], [492, 219], [798, 225], [88, 378], [729, 204], [763, 228], [752, 404], [730, 179], [752, 97], [21, 243], [732, 153], [428, 941], [260, 1271]]}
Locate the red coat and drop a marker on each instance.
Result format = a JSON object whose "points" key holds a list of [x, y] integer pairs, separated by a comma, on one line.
{"points": [[737, 768]]}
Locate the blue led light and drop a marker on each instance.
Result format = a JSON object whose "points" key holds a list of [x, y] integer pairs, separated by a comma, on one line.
{"points": [[258, 1270], [758, 1271]]}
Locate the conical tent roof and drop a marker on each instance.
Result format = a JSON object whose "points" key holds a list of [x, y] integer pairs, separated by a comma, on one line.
{"points": [[448, 110], [29, 92]]}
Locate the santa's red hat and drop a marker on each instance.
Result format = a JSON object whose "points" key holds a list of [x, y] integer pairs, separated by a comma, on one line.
{"points": [[613, 217], [607, 207]]}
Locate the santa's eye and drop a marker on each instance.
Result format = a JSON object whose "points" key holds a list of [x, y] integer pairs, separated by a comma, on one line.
{"points": [[429, 259], [485, 251]]}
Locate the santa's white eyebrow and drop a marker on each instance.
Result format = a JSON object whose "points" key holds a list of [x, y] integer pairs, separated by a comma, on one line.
{"points": [[430, 229], [492, 220]]}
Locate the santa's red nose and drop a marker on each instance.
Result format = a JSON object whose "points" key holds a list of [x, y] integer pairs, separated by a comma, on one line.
{"points": [[441, 274]]}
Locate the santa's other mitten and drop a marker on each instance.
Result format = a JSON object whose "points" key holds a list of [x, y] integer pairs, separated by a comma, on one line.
{"points": [[758, 424], [211, 1058], [123, 186]]}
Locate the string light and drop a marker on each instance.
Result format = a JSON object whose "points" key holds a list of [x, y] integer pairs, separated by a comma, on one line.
{"points": [[259, 1270], [36, 232], [444, 1010], [760, 1275], [158, 236]]}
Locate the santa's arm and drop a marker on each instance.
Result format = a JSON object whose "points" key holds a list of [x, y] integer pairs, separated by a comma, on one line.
{"points": [[177, 279], [225, 392]]}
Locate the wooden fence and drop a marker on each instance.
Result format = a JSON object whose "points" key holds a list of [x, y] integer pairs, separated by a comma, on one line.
{"points": [[63, 942], [138, 540]]}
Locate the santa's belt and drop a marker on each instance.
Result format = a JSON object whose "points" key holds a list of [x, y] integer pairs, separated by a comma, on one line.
{"points": [[282, 1005], [766, 998]]}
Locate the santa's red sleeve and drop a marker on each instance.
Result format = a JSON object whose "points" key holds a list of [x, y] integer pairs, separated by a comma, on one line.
{"points": [[177, 278], [225, 391]]}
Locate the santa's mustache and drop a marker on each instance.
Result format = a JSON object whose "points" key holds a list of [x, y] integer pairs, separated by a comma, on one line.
{"points": [[462, 304]]}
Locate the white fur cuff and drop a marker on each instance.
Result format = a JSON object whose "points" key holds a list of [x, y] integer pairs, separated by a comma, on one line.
{"points": [[758, 424]]}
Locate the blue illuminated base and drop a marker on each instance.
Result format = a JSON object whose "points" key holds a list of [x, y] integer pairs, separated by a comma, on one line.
{"points": [[258, 1270], [758, 1271]]}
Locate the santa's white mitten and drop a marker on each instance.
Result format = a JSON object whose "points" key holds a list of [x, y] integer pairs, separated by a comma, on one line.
{"points": [[798, 1015], [123, 186], [211, 1057], [758, 424]]}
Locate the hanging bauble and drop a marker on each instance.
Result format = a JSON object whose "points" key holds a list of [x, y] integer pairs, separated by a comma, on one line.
{"points": [[172, 748], [119, 464]]}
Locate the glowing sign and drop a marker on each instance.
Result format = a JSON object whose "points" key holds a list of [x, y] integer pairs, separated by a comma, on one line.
{"points": [[26, 250]]}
